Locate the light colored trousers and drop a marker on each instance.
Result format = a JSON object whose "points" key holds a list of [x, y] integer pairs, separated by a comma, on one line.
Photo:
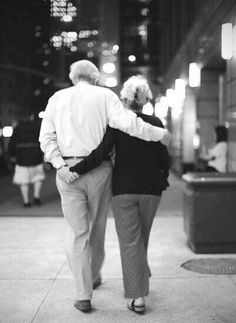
{"points": [[134, 214], [85, 205]]}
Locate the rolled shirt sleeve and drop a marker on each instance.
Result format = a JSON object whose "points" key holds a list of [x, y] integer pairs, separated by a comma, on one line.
{"points": [[48, 138], [127, 121]]}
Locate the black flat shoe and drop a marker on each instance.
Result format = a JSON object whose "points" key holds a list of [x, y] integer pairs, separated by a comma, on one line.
{"points": [[139, 309], [97, 283], [27, 204], [37, 201], [83, 306]]}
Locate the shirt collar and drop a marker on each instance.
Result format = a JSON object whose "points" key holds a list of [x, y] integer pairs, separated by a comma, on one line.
{"points": [[81, 83]]}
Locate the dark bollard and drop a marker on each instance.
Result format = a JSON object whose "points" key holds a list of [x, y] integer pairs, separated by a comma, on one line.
{"points": [[209, 208]]}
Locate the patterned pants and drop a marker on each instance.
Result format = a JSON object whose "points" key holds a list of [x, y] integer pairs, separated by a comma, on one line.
{"points": [[134, 214]]}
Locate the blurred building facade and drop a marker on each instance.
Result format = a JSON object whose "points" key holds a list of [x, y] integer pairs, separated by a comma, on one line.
{"points": [[158, 39], [24, 64], [24, 57], [139, 37], [191, 46], [39, 40]]}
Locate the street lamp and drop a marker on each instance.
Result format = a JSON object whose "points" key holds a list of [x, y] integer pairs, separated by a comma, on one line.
{"points": [[170, 95], [111, 81], [194, 75], [7, 131], [132, 58], [180, 88], [108, 67], [227, 41]]}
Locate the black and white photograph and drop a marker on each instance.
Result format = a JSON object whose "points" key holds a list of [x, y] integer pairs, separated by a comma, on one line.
{"points": [[118, 161]]}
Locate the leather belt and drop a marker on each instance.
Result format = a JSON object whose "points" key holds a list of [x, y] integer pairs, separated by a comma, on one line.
{"points": [[73, 157]]}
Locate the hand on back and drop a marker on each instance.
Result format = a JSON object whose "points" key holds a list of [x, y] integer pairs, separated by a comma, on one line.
{"points": [[66, 175]]}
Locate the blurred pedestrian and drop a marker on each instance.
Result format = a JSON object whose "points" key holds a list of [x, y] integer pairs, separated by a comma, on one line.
{"points": [[216, 157], [24, 150], [74, 124], [140, 175]]}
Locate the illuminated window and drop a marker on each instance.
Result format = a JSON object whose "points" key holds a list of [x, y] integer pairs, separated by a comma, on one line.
{"points": [[144, 11], [132, 58], [142, 30], [66, 39], [66, 18], [90, 54], [37, 92], [115, 48], [46, 81], [87, 33], [74, 48], [63, 9]]}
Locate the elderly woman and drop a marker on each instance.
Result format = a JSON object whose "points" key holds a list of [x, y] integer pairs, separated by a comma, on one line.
{"points": [[139, 177]]}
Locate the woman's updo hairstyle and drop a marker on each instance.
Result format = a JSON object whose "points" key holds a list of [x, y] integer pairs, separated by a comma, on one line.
{"points": [[136, 92]]}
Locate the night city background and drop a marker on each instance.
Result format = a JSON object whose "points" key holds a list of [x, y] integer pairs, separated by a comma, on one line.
{"points": [[157, 39], [40, 39], [186, 50]]}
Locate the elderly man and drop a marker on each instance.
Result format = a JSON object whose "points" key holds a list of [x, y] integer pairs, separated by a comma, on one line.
{"points": [[74, 124]]}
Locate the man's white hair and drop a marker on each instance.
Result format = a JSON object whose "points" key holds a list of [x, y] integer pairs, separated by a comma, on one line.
{"points": [[84, 70], [136, 89]]}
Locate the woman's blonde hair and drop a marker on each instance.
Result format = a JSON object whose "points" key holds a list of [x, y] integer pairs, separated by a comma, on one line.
{"points": [[136, 90]]}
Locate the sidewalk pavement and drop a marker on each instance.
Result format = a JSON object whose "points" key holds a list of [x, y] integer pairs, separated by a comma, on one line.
{"points": [[36, 284]]}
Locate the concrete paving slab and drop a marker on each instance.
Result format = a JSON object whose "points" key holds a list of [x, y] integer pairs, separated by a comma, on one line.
{"points": [[26, 233], [172, 198], [233, 278], [30, 263], [195, 300], [167, 251], [170, 300], [21, 299], [31, 248]]}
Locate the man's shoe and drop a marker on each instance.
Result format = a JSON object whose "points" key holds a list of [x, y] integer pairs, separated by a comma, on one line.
{"points": [[97, 283], [83, 306]]}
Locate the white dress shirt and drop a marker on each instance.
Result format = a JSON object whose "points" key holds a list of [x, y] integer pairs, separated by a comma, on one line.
{"points": [[76, 119], [219, 152]]}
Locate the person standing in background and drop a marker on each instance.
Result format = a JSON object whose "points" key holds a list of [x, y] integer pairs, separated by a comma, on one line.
{"points": [[216, 157], [24, 150]]}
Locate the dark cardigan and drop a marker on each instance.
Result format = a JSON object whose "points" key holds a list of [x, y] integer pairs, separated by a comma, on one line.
{"points": [[141, 167], [24, 144]]}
